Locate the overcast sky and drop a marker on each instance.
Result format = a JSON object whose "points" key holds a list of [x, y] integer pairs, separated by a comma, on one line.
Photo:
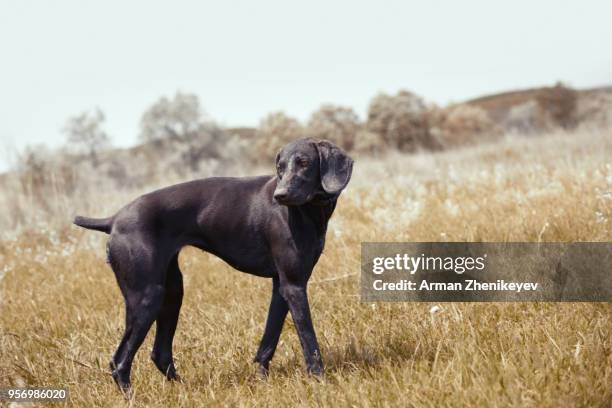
{"points": [[247, 58]]}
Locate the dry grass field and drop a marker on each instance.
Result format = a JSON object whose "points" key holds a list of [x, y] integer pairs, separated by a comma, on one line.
{"points": [[61, 313]]}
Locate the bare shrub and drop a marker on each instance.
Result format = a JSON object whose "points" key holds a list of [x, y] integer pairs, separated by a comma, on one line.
{"points": [[34, 168], [274, 131], [117, 171], [401, 121], [338, 124], [525, 118], [461, 124], [85, 134], [41, 185]]}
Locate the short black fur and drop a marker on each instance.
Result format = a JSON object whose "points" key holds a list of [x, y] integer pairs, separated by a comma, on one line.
{"points": [[270, 226]]}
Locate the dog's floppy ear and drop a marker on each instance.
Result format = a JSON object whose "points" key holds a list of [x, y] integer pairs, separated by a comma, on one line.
{"points": [[276, 160], [335, 167]]}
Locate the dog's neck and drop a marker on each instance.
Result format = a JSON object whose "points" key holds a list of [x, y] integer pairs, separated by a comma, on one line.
{"points": [[318, 213]]}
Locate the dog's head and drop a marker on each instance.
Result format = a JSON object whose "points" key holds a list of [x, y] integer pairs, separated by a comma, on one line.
{"points": [[311, 171]]}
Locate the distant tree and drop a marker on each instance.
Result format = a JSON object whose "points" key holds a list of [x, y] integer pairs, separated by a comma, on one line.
{"points": [[85, 133], [400, 121], [274, 131], [180, 117], [181, 120], [337, 124]]}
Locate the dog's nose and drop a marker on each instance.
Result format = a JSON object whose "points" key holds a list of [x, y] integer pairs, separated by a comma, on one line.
{"points": [[280, 195]]}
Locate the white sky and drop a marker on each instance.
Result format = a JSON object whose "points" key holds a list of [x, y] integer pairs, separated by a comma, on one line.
{"points": [[247, 58]]}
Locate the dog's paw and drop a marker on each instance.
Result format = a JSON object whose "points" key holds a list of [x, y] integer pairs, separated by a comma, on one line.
{"points": [[262, 371], [316, 370], [124, 386]]}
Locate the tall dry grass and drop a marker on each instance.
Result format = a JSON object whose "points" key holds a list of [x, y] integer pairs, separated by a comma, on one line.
{"points": [[62, 315]]}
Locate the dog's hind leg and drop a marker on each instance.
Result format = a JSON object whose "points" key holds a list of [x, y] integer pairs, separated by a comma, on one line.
{"points": [[113, 261], [121, 347], [167, 320], [144, 306], [140, 278]]}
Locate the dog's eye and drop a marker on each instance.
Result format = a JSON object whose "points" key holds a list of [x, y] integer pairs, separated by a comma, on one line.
{"points": [[302, 162]]}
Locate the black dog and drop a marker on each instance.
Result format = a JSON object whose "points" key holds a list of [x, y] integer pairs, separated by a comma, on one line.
{"points": [[270, 226]]}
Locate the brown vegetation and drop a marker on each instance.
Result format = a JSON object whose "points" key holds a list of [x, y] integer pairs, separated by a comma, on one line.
{"points": [[61, 310], [461, 125], [337, 124], [274, 131], [182, 142]]}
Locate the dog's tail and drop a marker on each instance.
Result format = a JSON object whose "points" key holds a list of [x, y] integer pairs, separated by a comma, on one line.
{"points": [[98, 224]]}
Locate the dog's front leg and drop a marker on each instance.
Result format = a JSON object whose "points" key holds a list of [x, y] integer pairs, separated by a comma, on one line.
{"points": [[274, 326], [296, 297]]}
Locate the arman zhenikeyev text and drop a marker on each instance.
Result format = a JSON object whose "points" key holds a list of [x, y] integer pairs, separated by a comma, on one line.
{"points": [[468, 285]]}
